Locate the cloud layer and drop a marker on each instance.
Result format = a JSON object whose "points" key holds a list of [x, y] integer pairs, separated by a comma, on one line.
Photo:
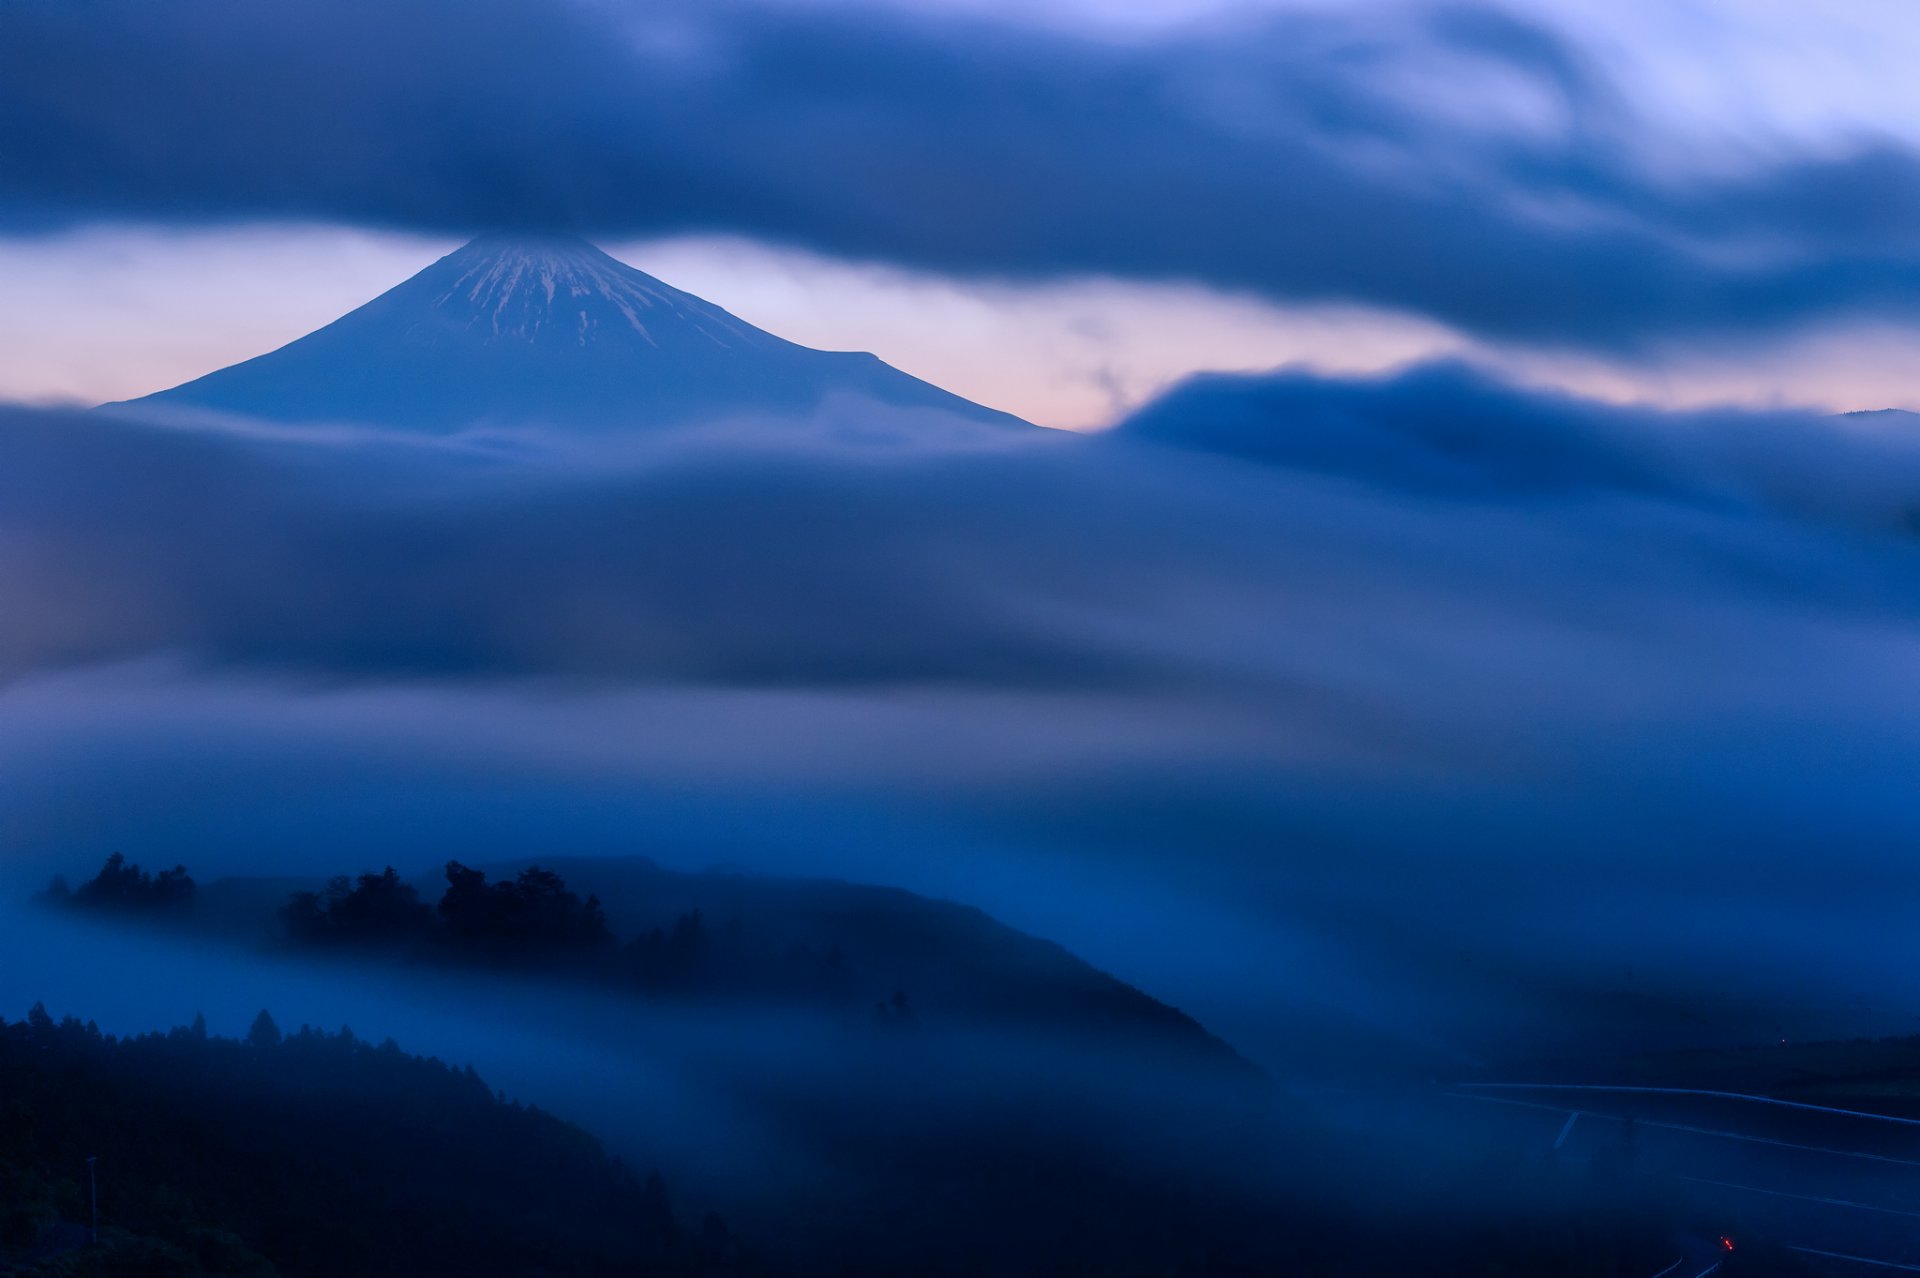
{"points": [[1460, 163], [1427, 698]]}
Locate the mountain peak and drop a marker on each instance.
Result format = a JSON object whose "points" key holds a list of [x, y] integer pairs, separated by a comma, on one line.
{"points": [[532, 244], [517, 330], [549, 286]]}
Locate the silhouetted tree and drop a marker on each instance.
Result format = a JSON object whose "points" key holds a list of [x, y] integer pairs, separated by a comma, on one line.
{"points": [[535, 919], [376, 907], [531, 915], [467, 907], [305, 916], [264, 1032], [594, 932], [379, 906], [121, 885]]}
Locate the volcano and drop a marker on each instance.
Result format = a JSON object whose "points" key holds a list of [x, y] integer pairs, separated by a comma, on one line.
{"points": [[514, 331]]}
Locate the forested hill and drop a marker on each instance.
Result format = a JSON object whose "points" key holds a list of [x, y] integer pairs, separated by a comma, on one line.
{"points": [[630, 925], [310, 1154], [955, 960]]}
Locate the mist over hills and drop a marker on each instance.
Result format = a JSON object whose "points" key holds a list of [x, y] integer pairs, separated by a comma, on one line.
{"points": [[825, 946], [1383, 725], [1091, 685], [1424, 784], [526, 330]]}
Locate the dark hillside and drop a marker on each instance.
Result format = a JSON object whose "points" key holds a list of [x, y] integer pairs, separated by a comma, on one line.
{"points": [[832, 945], [314, 1154]]}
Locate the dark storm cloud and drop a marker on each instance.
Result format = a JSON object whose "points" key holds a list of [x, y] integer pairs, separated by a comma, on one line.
{"points": [[1303, 156]]}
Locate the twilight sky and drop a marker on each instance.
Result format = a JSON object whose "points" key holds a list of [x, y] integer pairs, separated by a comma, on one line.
{"points": [[1056, 213]]}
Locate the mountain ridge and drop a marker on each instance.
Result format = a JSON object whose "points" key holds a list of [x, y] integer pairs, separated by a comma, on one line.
{"points": [[959, 962], [514, 330]]}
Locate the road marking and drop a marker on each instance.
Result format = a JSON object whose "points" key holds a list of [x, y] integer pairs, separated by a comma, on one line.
{"points": [[1690, 1091], [1810, 1198], [1670, 1268], [1700, 1131], [1561, 1139], [1858, 1260]]}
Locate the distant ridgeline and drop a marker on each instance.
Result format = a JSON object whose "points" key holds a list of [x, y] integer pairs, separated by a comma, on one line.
{"points": [[530, 921], [874, 954], [311, 1154]]}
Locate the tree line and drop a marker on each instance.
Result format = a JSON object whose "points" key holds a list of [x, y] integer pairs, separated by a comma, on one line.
{"points": [[532, 920], [125, 887], [306, 1154]]}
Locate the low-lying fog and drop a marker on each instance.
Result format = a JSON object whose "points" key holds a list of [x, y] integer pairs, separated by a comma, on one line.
{"points": [[1412, 721]]}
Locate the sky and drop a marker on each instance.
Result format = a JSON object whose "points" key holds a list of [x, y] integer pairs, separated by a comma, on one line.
{"points": [[1059, 212]]}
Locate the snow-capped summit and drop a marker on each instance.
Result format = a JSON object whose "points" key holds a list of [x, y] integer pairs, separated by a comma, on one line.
{"points": [[523, 288], [518, 330]]}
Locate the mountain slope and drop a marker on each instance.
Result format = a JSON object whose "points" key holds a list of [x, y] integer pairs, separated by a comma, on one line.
{"points": [[957, 960], [516, 330], [319, 1153], [960, 965]]}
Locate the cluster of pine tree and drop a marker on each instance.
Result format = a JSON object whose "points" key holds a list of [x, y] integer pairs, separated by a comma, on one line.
{"points": [[125, 887], [535, 919], [530, 921], [531, 916]]}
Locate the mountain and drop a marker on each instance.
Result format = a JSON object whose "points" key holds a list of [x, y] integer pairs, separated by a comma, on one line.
{"points": [[519, 330]]}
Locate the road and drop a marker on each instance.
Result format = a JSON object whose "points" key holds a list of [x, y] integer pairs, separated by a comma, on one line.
{"points": [[1833, 1183]]}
